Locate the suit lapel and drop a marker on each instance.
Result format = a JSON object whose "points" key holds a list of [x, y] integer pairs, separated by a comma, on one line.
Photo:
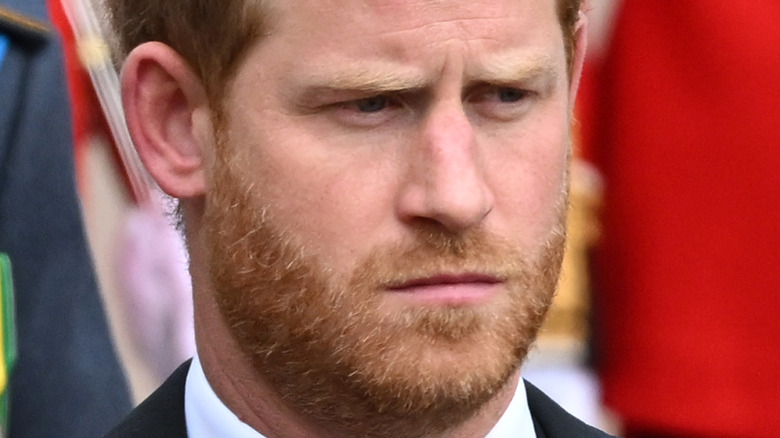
{"points": [[162, 414], [538, 429], [552, 421]]}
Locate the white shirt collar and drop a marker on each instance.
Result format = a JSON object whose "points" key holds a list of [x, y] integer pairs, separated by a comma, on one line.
{"points": [[208, 417]]}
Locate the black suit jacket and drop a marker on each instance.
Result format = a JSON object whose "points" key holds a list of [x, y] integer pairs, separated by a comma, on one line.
{"points": [[162, 414]]}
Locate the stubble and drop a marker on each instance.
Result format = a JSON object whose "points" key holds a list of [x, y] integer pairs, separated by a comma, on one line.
{"points": [[332, 348]]}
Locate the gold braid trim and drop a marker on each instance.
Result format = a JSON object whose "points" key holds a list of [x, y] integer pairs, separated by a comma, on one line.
{"points": [[20, 21]]}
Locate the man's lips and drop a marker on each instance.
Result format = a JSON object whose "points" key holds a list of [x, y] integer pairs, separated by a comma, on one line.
{"points": [[462, 289]]}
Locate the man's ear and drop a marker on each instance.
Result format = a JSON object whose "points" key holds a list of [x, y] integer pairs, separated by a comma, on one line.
{"points": [[168, 116], [578, 57]]}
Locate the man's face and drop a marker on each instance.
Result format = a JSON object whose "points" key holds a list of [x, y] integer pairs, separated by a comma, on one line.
{"points": [[385, 215]]}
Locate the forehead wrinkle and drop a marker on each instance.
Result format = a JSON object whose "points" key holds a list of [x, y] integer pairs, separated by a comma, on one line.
{"points": [[444, 25], [513, 66], [365, 75]]}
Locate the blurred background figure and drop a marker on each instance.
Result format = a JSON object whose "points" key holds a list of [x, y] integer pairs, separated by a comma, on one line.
{"points": [[140, 259], [681, 116], [67, 381]]}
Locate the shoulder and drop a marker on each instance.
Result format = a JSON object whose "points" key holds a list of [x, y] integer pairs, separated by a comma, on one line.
{"points": [[552, 421], [160, 415]]}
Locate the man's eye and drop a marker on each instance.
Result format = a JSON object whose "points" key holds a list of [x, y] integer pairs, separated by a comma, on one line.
{"points": [[372, 104], [371, 111], [510, 95], [501, 102]]}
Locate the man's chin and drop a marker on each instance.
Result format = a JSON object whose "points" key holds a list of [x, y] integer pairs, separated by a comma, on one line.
{"points": [[437, 384], [446, 352]]}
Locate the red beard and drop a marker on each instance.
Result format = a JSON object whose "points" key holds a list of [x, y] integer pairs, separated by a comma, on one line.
{"points": [[331, 347]]}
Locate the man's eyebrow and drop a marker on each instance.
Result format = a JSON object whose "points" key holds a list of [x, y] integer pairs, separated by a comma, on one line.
{"points": [[509, 67], [365, 76]]}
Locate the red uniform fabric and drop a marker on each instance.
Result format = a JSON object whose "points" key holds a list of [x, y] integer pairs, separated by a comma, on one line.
{"points": [[85, 108], [686, 130]]}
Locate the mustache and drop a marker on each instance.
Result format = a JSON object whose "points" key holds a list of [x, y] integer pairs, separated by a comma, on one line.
{"points": [[434, 251]]}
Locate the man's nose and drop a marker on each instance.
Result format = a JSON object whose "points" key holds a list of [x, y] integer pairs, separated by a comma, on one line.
{"points": [[446, 181]]}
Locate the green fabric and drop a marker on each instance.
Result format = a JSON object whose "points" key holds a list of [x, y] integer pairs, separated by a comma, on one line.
{"points": [[8, 327]]}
